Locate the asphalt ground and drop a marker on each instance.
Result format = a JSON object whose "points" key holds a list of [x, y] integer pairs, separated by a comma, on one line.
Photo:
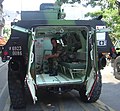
{"points": [[110, 88], [3, 85], [66, 102], [109, 99]]}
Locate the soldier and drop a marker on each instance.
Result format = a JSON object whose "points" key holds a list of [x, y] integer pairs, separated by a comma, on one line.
{"points": [[55, 57]]}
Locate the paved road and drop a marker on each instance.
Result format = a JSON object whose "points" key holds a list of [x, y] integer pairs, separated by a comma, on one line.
{"points": [[110, 97], [1, 63], [65, 102], [3, 85], [111, 89], [3, 76]]}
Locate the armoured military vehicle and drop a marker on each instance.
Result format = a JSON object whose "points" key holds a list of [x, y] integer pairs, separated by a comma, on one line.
{"points": [[30, 42]]}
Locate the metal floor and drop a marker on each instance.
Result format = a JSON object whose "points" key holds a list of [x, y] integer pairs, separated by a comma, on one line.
{"points": [[45, 79]]}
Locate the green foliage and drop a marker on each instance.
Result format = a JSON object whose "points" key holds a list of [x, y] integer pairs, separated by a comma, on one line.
{"points": [[60, 2], [109, 10], [6, 32]]}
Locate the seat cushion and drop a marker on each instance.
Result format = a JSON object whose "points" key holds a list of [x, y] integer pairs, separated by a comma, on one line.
{"points": [[73, 65]]}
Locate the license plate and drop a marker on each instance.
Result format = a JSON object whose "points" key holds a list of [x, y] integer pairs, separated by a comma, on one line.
{"points": [[16, 50]]}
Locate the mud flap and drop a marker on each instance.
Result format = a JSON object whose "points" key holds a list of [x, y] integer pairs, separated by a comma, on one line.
{"points": [[90, 82]]}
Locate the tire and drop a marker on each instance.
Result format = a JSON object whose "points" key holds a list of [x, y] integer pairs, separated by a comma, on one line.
{"points": [[96, 91], [117, 68], [16, 85]]}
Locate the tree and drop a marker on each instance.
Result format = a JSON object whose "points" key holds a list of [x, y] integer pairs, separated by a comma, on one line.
{"points": [[109, 10], [6, 32]]}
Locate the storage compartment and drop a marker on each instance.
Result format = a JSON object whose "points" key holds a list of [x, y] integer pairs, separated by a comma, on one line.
{"points": [[73, 66]]}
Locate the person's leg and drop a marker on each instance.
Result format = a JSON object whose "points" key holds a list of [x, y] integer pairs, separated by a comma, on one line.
{"points": [[55, 67], [50, 64]]}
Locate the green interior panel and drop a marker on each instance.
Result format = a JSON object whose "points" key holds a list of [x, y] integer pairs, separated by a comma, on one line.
{"points": [[74, 43]]}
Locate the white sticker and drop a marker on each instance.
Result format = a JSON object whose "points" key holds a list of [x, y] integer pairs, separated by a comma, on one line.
{"points": [[100, 36], [16, 53], [15, 48], [101, 42]]}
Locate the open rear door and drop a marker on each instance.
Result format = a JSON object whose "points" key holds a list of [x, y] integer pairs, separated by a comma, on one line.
{"points": [[94, 72], [30, 81]]}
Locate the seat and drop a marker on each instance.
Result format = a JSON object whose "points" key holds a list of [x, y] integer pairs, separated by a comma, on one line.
{"points": [[75, 67]]}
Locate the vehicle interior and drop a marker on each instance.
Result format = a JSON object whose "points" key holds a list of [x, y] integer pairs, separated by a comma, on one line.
{"points": [[74, 40]]}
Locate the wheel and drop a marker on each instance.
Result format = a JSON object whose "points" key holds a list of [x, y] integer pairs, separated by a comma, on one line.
{"points": [[96, 91], [102, 61], [16, 76], [117, 68]]}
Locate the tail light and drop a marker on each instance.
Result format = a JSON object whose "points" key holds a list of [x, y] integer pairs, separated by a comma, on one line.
{"points": [[113, 53], [5, 53], [113, 49]]}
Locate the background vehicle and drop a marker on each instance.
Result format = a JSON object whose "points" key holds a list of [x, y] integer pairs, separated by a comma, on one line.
{"points": [[117, 47], [30, 41], [117, 60]]}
